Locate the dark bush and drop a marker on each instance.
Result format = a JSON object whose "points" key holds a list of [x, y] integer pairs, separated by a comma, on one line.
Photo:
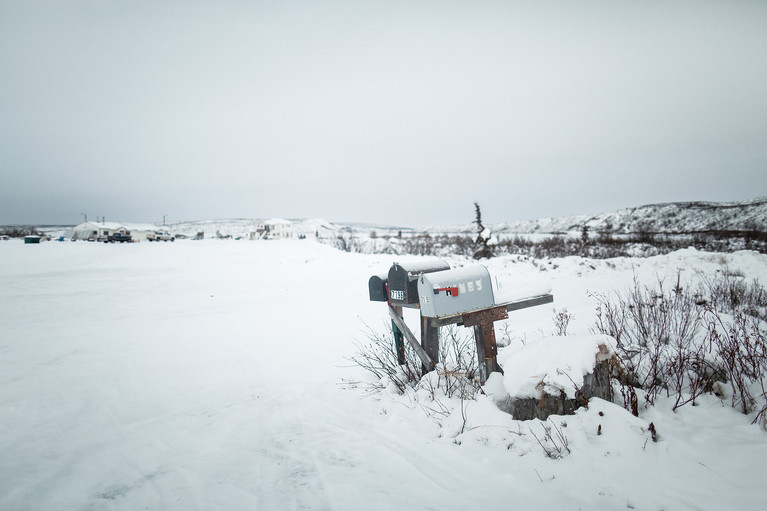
{"points": [[685, 343]]}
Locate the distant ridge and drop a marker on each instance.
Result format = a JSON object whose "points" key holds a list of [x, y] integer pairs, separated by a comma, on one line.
{"points": [[665, 218], [671, 218]]}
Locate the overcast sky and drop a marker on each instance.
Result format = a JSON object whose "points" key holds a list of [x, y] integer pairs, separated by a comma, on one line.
{"points": [[389, 112]]}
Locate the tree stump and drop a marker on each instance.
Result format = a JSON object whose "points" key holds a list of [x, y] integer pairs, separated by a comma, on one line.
{"points": [[554, 379]]}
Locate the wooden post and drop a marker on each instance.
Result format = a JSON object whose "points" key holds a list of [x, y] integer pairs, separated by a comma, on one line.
{"points": [[425, 359], [399, 340], [484, 336], [429, 341], [481, 365], [487, 350]]}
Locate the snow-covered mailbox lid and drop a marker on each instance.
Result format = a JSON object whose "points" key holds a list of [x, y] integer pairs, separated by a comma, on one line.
{"points": [[377, 288], [403, 280], [454, 292]]}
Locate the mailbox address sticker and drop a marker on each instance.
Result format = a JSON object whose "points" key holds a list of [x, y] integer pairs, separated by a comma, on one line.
{"points": [[397, 294], [460, 288]]}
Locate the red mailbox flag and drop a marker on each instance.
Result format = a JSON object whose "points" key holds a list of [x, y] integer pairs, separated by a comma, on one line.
{"points": [[451, 291]]}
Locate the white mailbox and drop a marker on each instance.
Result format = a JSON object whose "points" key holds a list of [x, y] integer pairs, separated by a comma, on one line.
{"points": [[454, 292]]}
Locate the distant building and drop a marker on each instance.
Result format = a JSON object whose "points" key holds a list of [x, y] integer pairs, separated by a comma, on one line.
{"points": [[274, 229], [97, 231], [139, 231]]}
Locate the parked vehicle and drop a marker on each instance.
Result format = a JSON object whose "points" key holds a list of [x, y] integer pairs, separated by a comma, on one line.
{"points": [[119, 237], [160, 236]]}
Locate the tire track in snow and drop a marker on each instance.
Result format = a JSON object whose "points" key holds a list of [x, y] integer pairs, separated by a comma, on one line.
{"points": [[340, 457]]}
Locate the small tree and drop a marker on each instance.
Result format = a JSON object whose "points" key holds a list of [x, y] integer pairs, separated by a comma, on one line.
{"points": [[585, 234], [585, 240], [483, 237], [645, 231], [478, 221]]}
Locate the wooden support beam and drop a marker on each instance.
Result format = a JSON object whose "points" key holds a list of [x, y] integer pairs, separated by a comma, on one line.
{"points": [[481, 365], [486, 316], [510, 306], [399, 341], [400, 323], [529, 302], [429, 341], [484, 336], [487, 350]]}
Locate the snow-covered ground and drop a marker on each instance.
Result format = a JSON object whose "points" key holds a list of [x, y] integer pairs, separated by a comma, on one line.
{"points": [[206, 375]]}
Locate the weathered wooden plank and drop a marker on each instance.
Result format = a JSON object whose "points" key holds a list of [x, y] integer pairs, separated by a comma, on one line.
{"points": [[488, 334], [400, 323], [481, 365], [429, 341], [510, 306], [399, 342], [529, 302], [487, 350], [485, 316]]}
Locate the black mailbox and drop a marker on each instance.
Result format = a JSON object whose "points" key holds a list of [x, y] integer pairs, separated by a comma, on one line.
{"points": [[403, 280], [377, 285]]}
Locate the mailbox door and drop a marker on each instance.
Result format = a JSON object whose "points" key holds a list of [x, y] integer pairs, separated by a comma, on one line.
{"points": [[398, 286], [377, 288], [454, 292]]}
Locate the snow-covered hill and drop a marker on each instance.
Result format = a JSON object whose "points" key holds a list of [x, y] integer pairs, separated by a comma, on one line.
{"points": [[672, 218], [243, 227], [302, 227], [669, 218]]}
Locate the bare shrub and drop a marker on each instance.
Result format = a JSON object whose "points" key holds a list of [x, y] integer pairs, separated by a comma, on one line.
{"points": [[505, 335], [458, 353], [676, 342], [553, 440], [654, 329], [562, 321], [743, 356], [729, 292], [455, 376], [378, 356]]}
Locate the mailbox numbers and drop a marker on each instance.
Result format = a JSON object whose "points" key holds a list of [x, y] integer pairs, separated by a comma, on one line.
{"points": [[397, 294]]}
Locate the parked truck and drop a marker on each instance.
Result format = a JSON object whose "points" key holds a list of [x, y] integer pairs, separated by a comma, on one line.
{"points": [[120, 237], [160, 236]]}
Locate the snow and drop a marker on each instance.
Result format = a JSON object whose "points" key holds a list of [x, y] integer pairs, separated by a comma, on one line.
{"points": [[416, 265], [277, 221], [205, 375], [512, 288], [470, 272]]}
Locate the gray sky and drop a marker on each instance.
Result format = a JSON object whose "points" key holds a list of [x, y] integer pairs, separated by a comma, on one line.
{"points": [[392, 112]]}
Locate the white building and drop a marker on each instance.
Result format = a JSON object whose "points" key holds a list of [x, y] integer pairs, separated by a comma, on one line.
{"points": [[96, 230], [274, 229], [100, 230]]}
